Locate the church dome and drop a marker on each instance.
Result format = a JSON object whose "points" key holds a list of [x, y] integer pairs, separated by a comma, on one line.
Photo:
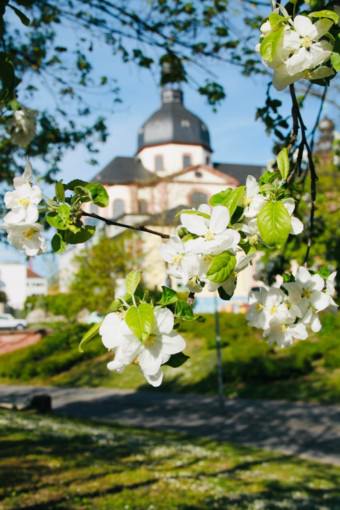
{"points": [[173, 123]]}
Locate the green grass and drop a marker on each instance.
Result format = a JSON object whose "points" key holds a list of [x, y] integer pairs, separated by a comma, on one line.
{"points": [[50, 463], [309, 370]]}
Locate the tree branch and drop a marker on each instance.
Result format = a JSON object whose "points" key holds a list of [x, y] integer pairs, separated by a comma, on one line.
{"points": [[124, 225], [313, 175]]}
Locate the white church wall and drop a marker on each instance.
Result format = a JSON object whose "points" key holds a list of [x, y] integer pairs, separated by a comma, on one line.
{"points": [[123, 194], [172, 154]]}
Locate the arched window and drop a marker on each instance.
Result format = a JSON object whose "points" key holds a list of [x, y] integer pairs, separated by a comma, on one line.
{"points": [[159, 163], [197, 198], [186, 160], [142, 206], [118, 207]]}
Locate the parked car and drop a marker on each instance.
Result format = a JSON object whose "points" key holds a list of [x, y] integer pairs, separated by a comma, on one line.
{"points": [[7, 321]]}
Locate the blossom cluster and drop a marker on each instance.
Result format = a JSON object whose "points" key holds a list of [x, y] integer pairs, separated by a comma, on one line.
{"points": [[297, 48], [215, 242], [151, 352], [288, 310], [21, 222]]}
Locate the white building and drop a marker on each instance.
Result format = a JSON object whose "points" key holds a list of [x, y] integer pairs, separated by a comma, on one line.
{"points": [[172, 169], [18, 282]]}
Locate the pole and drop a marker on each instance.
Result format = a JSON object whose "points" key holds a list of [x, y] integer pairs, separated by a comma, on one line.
{"points": [[219, 356]]}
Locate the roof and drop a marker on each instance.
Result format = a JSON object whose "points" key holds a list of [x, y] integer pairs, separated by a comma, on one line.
{"points": [[124, 170], [32, 274], [239, 172], [173, 123]]}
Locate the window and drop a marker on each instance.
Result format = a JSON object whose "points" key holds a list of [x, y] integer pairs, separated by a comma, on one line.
{"points": [[207, 160], [118, 207], [186, 160], [159, 163], [197, 198], [142, 206]]}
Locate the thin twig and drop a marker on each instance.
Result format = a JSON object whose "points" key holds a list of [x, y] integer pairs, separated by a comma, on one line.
{"points": [[313, 174], [124, 225]]}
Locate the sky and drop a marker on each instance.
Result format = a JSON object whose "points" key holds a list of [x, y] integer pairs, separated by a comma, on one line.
{"points": [[235, 135]]}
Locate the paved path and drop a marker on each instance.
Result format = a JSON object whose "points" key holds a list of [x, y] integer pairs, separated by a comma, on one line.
{"points": [[312, 431], [13, 340]]}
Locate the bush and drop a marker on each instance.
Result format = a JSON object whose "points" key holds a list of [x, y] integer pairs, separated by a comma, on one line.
{"points": [[54, 354]]}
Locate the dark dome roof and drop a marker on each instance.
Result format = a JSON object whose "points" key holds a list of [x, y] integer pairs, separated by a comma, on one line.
{"points": [[173, 123]]}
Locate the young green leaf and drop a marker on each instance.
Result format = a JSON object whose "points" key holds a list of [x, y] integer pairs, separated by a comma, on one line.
{"points": [[283, 163], [269, 44], [230, 198], [168, 297], [59, 219], [98, 193], [59, 191], [221, 267], [141, 320], [335, 61], [57, 243], [132, 281], [325, 13], [81, 236], [177, 360], [183, 310], [89, 335], [274, 223]]}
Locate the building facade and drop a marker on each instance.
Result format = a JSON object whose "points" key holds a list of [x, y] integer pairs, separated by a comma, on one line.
{"points": [[18, 282], [172, 169]]}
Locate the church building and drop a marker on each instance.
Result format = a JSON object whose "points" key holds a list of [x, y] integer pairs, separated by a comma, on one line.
{"points": [[172, 169]]}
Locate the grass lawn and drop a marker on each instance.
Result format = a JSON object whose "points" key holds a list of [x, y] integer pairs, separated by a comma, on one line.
{"points": [[309, 370], [51, 463]]}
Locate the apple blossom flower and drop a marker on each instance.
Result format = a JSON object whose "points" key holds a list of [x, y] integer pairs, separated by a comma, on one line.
{"points": [[254, 200], [284, 334], [267, 305], [23, 200], [211, 230], [150, 354], [22, 126], [26, 237]]}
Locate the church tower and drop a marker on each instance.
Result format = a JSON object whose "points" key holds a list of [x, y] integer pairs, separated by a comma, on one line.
{"points": [[173, 138]]}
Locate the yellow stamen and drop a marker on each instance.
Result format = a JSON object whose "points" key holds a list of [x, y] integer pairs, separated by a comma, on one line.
{"points": [[307, 42], [30, 232], [209, 236], [24, 202]]}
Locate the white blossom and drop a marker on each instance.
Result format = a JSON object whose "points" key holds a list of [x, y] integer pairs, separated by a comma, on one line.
{"points": [[26, 237], [267, 305], [23, 200], [254, 200], [210, 227], [150, 354], [22, 126]]}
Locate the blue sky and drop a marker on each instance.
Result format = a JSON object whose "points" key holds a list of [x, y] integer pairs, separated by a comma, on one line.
{"points": [[236, 136]]}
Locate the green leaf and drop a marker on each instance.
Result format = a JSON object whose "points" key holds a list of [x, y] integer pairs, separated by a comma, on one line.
{"points": [[98, 193], [221, 267], [274, 223], [283, 163], [269, 44], [74, 184], [132, 281], [21, 15], [89, 335], [177, 360], [325, 13], [141, 320], [59, 219], [168, 297], [184, 311], [7, 78], [81, 236], [223, 294], [231, 198], [59, 191], [335, 60], [275, 20], [57, 243], [196, 213]]}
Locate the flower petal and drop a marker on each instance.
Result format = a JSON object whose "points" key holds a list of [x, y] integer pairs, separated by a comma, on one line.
{"points": [[220, 218], [305, 27], [319, 300], [155, 379], [296, 226], [194, 223], [164, 320]]}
